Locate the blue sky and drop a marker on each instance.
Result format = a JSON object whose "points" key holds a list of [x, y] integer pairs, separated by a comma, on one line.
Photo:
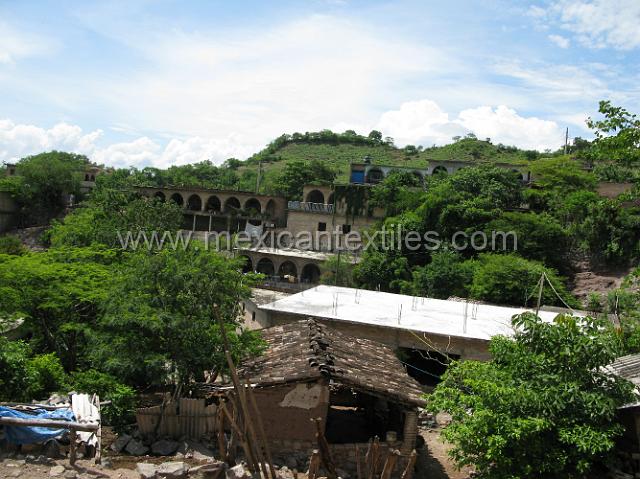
{"points": [[141, 83]]}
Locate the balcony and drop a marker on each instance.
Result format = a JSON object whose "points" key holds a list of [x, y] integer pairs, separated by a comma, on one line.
{"points": [[310, 207]]}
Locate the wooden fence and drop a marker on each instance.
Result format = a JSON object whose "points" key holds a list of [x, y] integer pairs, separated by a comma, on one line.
{"points": [[187, 418]]}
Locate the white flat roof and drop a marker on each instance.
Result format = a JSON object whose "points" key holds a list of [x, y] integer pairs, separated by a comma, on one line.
{"points": [[398, 311], [292, 253]]}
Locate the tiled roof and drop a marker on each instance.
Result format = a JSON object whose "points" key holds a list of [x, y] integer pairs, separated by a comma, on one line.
{"points": [[306, 350], [627, 367]]}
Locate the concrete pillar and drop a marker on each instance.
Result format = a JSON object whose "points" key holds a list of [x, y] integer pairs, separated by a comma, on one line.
{"points": [[210, 220]]}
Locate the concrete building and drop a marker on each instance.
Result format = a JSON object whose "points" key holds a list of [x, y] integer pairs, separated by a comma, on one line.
{"points": [[450, 328], [370, 174]]}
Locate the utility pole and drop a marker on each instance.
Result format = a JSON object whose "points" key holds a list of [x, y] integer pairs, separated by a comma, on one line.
{"points": [[566, 141], [258, 177]]}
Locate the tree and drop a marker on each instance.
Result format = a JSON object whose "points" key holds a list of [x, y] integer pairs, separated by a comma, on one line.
{"points": [[296, 174], [110, 214], [393, 193], [159, 317], [338, 271], [45, 181], [446, 275], [617, 135], [542, 407], [384, 271], [511, 279], [375, 135]]}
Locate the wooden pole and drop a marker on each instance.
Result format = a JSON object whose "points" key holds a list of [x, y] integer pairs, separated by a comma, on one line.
{"points": [[408, 471], [72, 447], [314, 464], [220, 424], [261, 431], [48, 423], [358, 468], [373, 458], [390, 464], [98, 458], [325, 454]]}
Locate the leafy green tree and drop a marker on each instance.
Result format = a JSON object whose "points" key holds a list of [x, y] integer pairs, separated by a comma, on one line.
{"points": [[296, 174], [10, 244], [446, 275], [58, 293], [13, 366], [396, 193], [540, 237], [110, 214], [617, 135], [511, 279], [159, 316], [542, 407], [45, 181], [338, 271], [384, 271]]}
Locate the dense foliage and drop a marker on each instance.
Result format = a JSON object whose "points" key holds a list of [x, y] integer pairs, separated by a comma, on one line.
{"points": [[542, 407]]}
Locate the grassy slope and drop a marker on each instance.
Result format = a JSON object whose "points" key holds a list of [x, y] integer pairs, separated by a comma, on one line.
{"points": [[339, 156]]}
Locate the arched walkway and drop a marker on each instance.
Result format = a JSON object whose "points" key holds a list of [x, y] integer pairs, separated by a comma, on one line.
{"points": [[315, 196], [288, 269], [440, 170], [330, 199], [160, 196], [247, 267], [271, 208], [232, 204], [266, 267], [177, 198], [213, 203], [194, 203], [375, 175], [252, 205], [310, 273]]}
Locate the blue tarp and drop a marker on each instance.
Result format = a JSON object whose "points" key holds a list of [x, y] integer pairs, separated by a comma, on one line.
{"points": [[34, 434]]}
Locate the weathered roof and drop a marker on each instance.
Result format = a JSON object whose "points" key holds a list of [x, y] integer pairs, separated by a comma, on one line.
{"points": [[627, 367], [306, 350]]}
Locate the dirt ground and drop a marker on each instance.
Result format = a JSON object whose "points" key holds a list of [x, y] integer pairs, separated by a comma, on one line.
{"points": [[434, 463]]}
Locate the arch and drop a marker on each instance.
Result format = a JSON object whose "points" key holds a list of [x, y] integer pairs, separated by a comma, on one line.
{"points": [[194, 203], [86, 177], [440, 170], [213, 203], [232, 204], [160, 196], [288, 268], [310, 273], [177, 198], [247, 266], [252, 205], [271, 208], [375, 175], [518, 174], [315, 196], [93, 177], [266, 267], [331, 199]]}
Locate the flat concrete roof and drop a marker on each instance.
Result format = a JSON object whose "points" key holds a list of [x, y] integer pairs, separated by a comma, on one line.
{"points": [[291, 253], [424, 315], [260, 296]]}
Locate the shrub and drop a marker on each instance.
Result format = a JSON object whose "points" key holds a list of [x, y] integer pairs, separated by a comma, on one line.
{"points": [[13, 370], [11, 245], [46, 375], [120, 412]]}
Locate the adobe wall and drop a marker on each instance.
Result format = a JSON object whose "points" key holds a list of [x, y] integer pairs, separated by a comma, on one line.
{"points": [[286, 410], [398, 338]]}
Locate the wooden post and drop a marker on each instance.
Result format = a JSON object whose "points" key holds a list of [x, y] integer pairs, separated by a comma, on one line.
{"points": [[408, 471], [314, 464], [98, 458], [72, 446], [220, 424], [372, 466], [358, 469], [261, 431], [390, 464], [325, 454]]}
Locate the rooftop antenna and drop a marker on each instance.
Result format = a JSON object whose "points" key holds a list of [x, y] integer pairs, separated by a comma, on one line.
{"points": [[414, 303], [400, 313]]}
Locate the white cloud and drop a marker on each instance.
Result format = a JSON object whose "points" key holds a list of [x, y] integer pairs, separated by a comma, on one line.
{"points": [[15, 44], [19, 140], [559, 40], [504, 125], [423, 122], [597, 23]]}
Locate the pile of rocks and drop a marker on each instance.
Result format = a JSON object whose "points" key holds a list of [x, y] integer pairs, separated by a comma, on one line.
{"points": [[137, 446]]}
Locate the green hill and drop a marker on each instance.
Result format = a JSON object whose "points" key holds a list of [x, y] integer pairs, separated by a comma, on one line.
{"points": [[339, 150]]}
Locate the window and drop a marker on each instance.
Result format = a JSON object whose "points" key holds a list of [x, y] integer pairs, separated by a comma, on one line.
{"points": [[322, 226], [346, 229]]}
